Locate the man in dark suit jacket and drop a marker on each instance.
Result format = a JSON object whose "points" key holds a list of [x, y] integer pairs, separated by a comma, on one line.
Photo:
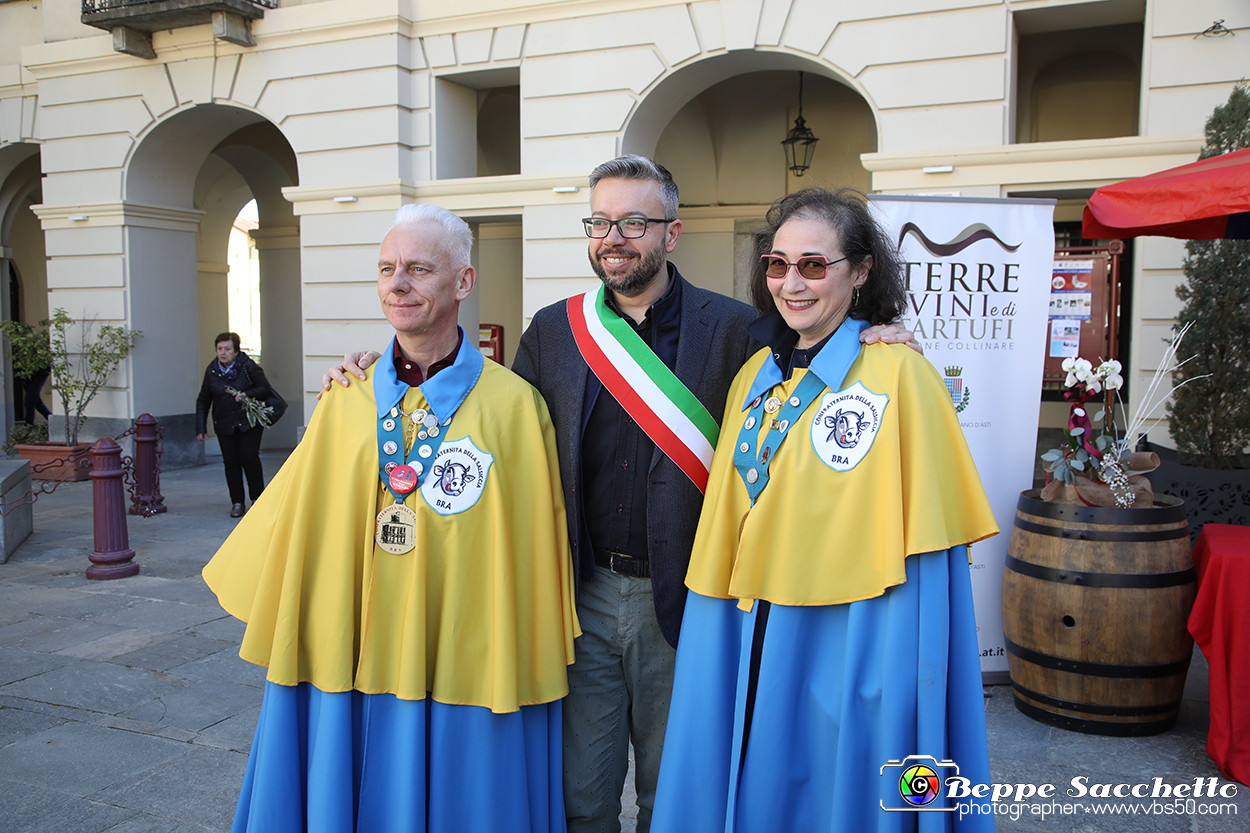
{"points": [[632, 511]]}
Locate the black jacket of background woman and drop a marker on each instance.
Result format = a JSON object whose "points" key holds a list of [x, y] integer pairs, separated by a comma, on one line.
{"points": [[228, 415]]}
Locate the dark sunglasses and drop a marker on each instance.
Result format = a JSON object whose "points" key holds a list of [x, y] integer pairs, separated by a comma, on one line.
{"points": [[811, 268]]}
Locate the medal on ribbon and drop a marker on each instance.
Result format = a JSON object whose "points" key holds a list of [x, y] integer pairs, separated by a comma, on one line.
{"points": [[396, 528]]}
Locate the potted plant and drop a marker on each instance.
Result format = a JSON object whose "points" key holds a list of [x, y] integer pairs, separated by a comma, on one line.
{"points": [[1209, 418], [77, 376], [24, 434]]}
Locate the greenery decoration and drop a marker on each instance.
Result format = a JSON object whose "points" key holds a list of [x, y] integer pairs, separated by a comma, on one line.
{"points": [[30, 350], [1210, 418], [22, 434], [255, 410]]}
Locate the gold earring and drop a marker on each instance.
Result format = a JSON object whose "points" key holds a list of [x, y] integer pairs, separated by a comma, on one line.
{"points": [[855, 299]]}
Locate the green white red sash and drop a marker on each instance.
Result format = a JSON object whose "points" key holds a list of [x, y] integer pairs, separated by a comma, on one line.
{"points": [[648, 391]]}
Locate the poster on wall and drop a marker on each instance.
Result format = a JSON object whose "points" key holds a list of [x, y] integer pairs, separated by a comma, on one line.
{"points": [[1071, 290], [1080, 298], [979, 276]]}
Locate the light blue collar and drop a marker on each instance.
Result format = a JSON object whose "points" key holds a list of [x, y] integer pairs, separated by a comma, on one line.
{"points": [[830, 364], [445, 392]]}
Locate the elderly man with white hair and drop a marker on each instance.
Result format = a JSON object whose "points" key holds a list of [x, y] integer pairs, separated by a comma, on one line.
{"points": [[416, 626]]}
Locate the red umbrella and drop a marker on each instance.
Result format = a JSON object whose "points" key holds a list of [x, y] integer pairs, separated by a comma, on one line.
{"points": [[1203, 200]]}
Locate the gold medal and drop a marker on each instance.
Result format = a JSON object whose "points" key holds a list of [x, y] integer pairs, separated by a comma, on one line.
{"points": [[396, 530]]}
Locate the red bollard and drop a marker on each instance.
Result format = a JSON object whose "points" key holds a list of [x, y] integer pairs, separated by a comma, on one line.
{"points": [[149, 500], [112, 555]]}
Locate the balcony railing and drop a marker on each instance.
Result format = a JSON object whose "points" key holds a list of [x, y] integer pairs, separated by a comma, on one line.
{"points": [[133, 21]]}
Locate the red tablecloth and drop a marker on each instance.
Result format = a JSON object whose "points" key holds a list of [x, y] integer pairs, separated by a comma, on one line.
{"points": [[1221, 627]]}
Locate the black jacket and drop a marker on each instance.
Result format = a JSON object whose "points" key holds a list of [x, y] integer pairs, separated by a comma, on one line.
{"points": [[712, 346], [228, 415]]}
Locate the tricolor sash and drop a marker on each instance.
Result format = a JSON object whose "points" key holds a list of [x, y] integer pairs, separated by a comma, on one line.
{"points": [[648, 391]]}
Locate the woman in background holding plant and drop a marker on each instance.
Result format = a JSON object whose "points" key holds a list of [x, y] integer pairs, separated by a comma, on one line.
{"points": [[233, 387]]}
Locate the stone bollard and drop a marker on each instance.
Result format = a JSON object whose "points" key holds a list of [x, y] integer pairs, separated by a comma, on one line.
{"points": [[112, 555], [149, 500]]}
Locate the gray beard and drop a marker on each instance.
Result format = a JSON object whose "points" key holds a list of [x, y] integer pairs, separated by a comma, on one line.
{"points": [[633, 282]]}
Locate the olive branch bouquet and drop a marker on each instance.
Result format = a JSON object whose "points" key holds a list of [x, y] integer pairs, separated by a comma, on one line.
{"points": [[255, 410]]}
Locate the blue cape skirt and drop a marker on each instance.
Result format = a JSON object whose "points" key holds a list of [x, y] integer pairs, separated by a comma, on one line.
{"points": [[848, 698], [345, 761]]}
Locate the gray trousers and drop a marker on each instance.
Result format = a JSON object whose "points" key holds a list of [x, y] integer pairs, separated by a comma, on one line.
{"points": [[619, 689]]}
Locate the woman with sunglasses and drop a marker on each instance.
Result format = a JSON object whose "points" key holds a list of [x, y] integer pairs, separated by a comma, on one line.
{"points": [[829, 634]]}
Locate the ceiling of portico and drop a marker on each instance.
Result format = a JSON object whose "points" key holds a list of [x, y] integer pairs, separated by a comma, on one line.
{"points": [[163, 168]]}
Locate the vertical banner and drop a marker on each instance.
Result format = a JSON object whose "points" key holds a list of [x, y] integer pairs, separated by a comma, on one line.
{"points": [[978, 274]]}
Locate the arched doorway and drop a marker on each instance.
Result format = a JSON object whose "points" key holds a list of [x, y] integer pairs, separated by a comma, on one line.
{"points": [[206, 163], [22, 253], [717, 125]]}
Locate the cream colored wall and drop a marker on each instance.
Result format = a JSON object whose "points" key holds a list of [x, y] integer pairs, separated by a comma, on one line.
{"points": [[62, 21], [20, 24], [704, 253], [500, 282], [1188, 75], [707, 86]]}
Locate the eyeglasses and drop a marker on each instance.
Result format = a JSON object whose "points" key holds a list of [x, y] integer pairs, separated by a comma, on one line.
{"points": [[812, 268], [630, 228]]}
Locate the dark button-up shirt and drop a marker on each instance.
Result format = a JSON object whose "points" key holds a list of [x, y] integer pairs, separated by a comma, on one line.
{"points": [[772, 330], [410, 374], [616, 452]]}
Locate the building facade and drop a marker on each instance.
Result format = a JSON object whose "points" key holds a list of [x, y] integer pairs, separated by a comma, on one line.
{"points": [[127, 152]]}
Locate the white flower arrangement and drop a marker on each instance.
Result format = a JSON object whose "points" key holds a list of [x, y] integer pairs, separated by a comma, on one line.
{"points": [[1097, 467], [1106, 376]]}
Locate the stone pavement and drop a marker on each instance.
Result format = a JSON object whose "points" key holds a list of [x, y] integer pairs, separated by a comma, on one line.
{"points": [[125, 708]]}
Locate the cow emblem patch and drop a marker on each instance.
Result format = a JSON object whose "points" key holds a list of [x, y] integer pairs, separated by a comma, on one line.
{"points": [[457, 477], [846, 424]]}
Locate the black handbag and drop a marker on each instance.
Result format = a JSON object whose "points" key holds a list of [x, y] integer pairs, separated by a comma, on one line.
{"points": [[275, 401], [271, 398]]}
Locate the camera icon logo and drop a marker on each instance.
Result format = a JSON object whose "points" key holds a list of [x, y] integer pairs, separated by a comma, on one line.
{"points": [[920, 780]]}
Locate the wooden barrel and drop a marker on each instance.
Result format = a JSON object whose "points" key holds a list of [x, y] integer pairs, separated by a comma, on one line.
{"points": [[1095, 603]]}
